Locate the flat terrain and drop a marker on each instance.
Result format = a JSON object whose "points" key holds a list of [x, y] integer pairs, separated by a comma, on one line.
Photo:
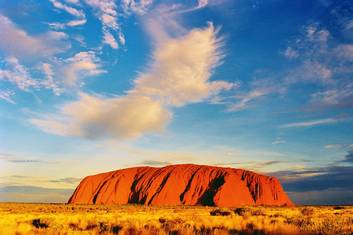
{"points": [[21, 218]]}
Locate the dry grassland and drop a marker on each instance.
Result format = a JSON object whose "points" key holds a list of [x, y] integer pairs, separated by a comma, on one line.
{"points": [[21, 218]]}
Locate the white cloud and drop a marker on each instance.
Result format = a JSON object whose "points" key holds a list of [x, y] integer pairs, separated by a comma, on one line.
{"points": [[345, 51], [16, 42], [7, 96], [202, 3], [349, 24], [291, 53], [332, 146], [178, 75], [81, 65], [314, 33], [258, 89], [338, 97], [245, 99], [78, 14], [325, 62], [121, 38], [181, 69], [310, 71], [106, 11], [278, 141], [93, 117], [49, 82], [58, 76], [17, 74], [311, 48], [110, 40], [74, 23], [68, 9], [139, 7], [312, 123], [72, 1]]}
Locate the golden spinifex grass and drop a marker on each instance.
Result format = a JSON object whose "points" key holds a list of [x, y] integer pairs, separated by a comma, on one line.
{"points": [[21, 218]]}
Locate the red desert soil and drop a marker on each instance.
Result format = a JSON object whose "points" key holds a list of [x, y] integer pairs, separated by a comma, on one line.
{"points": [[184, 184]]}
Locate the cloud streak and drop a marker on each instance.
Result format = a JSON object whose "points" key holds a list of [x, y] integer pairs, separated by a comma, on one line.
{"points": [[153, 163], [34, 194], [311, 123]]}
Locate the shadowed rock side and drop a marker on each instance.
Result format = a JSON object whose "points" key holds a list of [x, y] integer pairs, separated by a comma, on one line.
{"points": [[185, 184]]}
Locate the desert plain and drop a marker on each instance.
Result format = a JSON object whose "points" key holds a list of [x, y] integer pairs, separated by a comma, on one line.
{"points": [[28, 218]]}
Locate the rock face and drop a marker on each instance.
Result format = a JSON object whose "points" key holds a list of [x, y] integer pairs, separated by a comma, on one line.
{"points": [[184, 184]]}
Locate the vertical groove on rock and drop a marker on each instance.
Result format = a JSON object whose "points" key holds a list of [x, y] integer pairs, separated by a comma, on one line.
{"points": [[164, 181], [207, 198], [188, 185]]}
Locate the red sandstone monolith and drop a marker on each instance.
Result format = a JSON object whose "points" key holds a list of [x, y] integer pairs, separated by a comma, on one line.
{"points": [[184, 184]]}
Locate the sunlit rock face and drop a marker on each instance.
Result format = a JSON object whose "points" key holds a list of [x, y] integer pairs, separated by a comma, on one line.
{"points": [[185, 184]]}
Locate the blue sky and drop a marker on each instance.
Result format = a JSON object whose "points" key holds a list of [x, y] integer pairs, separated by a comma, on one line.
{"points": [[88, 86]]}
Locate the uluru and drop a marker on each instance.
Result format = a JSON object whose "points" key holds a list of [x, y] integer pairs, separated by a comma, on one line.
{"points": [[184, 184]]}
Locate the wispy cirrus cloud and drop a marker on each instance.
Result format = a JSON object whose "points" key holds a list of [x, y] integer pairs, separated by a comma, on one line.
{"points": [[58, 76], [290, 53], [50, 81], [339, 146], [278, 141], [62, 75], [258, 89], [139, 7], [29, 161], [17, 74], [333, 146], [178, 75], [34, 194], [310, 72], [107, 13], [260, 166], [71, 10], [319, 60], [326, 63], [245, 99], [333, 98], [39, 181], [24, 161], [329, 182], [67, 180], [16, 42], [80, 16], [311, 123], [349, 157], [7, 96], [153, 163]]}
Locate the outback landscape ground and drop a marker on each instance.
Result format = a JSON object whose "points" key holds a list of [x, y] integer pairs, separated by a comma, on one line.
{"points": [[24, 218]]}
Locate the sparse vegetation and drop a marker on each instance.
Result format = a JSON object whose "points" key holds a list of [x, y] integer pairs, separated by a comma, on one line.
{"points": [[219, 212], [20, 218], [240, 211]]}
